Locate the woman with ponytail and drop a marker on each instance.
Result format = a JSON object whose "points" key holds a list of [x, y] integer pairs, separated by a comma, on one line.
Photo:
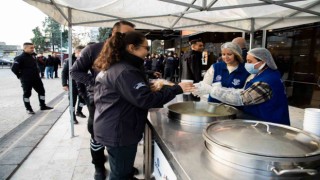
{"points": [[122, 97]]}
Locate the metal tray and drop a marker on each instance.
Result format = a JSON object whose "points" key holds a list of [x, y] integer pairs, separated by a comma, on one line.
{"points": [[200, 113]]}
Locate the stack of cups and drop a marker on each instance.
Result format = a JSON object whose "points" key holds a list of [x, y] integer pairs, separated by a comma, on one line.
{"points": [[311, 121]]}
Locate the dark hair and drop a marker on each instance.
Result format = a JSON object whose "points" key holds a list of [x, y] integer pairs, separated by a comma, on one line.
{"points": [[115, 47], [194, 41], [122, 22], [27, 43], [89, 43], [80, 47]]}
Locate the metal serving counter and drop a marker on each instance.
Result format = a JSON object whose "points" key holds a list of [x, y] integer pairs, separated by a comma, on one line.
{"points": [[183, 146]]}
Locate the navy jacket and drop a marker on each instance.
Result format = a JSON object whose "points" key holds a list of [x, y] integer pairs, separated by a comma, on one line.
{"points": [[276, 109], [122, 97], [236, 79], [81, 67]]}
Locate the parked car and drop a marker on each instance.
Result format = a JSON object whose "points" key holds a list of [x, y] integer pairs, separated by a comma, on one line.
{"points": [[5, 62]]}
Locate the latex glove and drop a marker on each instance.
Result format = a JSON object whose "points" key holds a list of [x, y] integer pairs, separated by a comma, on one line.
{"points": [[157, 84], [201, 89], [227, 95], [216, 85]]}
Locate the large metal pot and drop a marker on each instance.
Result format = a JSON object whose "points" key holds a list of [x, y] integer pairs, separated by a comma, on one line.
{"points": [[200, 113], [263, 148]]}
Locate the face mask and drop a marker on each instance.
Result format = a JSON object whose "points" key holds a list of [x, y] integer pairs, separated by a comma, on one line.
{"points": [[250, 67]]}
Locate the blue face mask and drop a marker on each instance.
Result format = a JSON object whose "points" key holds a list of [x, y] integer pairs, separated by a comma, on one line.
{"points": [[250, 68]]}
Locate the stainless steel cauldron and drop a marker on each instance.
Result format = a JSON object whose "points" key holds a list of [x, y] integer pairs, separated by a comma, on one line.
{"points": [[264, 148], [200, 113]]}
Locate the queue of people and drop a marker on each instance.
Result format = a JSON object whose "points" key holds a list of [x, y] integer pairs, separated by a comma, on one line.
{"points": [[114, 77], [166, 64], [48, 66], [79, 72]]}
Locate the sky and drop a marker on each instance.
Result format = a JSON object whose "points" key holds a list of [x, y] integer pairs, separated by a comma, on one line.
{"points": [[18, 18]]}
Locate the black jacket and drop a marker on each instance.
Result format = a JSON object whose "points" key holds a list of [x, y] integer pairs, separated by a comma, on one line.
{"points": [[65, 72], [25, 67], [50, 61], [77, 87], [191, 66], [122, 97], [80, 69]]}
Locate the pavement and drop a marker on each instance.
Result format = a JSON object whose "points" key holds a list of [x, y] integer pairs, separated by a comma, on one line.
{"points": [[12, 109], [47, 150]]}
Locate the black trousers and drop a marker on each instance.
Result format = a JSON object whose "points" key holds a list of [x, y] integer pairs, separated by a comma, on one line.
{"points": [[37, 85], [121, 160], [81, 101], [55, 69], [41, 69], [96, 149]]}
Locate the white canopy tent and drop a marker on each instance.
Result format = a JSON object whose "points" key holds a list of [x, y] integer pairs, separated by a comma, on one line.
{"points": [[197, 15]]}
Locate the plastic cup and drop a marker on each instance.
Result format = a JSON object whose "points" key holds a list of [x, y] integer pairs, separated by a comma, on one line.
{"points": [[187, 81]]}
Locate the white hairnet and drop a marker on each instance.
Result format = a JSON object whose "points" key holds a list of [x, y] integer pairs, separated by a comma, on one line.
{"points": [[235, 48], [264, 55]]}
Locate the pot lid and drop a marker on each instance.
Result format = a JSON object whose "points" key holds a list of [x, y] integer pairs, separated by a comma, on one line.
{"points": [[202, 109], [262, 138]]}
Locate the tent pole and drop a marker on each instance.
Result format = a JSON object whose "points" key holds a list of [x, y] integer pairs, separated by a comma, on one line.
{"points": [[244, 34], [251, 40], [71, 108], [264, 38], [251, 34]]}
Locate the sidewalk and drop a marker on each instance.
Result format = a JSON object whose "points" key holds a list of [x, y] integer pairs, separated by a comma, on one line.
{"points": [[59, 156]]}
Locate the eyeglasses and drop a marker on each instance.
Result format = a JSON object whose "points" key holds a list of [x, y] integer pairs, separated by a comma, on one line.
{"points": [[146, 47]]}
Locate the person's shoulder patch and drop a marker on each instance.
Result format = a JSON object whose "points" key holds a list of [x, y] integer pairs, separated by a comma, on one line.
{"points": [[139, 85]]}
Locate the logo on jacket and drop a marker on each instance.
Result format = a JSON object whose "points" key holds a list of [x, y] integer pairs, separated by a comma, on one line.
{"points": [[218, 78], [236, 82], [139, 85]]}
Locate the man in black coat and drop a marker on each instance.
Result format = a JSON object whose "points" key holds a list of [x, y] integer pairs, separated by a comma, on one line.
{"points": [[56, 65], [191, 63], [25, 68], [41, 61], [65, 84], [191, 66]]}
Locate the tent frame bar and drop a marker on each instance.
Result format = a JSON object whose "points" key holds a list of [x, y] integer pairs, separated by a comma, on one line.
{"points": [[182, 14], [290, 15], [292, 7]]}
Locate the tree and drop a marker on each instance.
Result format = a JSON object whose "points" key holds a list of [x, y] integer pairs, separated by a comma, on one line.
{"points": [[104, 34], [65, 38], [76, 41], [38, 40], [51, 37], [53, 31]]}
